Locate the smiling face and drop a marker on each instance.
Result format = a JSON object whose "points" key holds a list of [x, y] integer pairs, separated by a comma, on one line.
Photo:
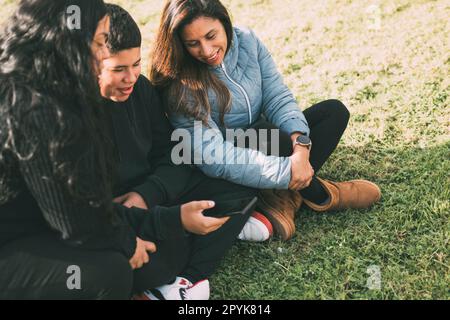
{"points": [[119, 74], [206, 40]]}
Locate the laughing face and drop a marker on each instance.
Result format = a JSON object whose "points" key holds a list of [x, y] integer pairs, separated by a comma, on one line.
{"points": [[119, 74], [206, 40]]}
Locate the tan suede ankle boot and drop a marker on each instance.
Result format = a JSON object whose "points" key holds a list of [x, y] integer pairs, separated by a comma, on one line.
{"points": [[355, 194], [280, 206]]}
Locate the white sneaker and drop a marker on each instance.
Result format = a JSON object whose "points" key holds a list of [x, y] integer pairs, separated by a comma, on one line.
{"points": [[199, 291], [257, 229], [180, 289]]}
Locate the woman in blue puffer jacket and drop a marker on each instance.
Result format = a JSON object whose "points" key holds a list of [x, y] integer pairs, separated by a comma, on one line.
{"points": [[224, 93]]}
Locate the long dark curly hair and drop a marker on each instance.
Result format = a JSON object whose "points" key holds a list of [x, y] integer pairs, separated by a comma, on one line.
{"points": [[44, 63]]}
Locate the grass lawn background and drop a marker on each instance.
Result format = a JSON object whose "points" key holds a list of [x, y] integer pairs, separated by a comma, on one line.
{"points": [[389, 62]]}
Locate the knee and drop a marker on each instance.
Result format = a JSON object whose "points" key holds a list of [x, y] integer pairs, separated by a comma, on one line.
{"points": [[340, 111], [108, 277]]}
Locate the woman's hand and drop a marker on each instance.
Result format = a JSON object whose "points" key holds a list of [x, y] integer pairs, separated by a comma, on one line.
{"points": [[132, 199], [141, 254], [195, 222], [301, 170]]}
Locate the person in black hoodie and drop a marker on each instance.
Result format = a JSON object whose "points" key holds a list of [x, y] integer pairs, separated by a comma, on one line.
{"points": [[148, 178]]}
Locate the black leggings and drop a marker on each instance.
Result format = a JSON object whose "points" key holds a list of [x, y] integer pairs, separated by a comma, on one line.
{"points": [[327, 121], [37, 267]]}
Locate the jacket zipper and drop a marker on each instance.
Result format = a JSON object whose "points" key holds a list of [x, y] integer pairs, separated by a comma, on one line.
{"points": [[243, 91]]}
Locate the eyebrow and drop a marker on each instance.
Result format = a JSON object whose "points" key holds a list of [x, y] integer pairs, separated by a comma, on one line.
{"points": [[125, 66], [211, 31]]}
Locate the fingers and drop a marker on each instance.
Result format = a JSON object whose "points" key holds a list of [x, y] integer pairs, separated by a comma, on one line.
{"points": [[139, 264], [139, 260], [134, 200], [213, 224], [301, 185], [298, 184], [145, 258], [220, 223], [212, 229], [203, 205], [150, 246], [120, 199], [217, 222], [194, 221], [141, 255], [134, 263], [127, 204], [306, 184]]}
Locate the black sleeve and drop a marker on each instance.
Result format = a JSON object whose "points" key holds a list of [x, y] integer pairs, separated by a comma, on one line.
{"points": [[161, 129], [157, 223], [78, 223], [167, 181]]}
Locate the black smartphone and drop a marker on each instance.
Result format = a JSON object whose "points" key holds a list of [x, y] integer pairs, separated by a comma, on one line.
{"points": [[227, 208]]}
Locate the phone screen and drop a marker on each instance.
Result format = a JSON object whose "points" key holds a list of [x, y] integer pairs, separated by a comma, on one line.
{"points": [[233, 207]]}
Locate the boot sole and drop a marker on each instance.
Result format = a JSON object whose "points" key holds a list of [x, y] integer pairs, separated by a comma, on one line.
{"points": [[284, 228]]}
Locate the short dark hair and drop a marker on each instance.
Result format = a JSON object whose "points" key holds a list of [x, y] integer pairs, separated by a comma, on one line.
{"points": [[124, 33]]}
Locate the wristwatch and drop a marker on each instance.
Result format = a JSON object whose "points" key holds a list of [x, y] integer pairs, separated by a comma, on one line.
{"points": [[304, 141]]}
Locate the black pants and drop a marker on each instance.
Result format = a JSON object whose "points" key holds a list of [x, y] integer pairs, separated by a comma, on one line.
{"points": [[38, 267], [327, 122], [198, 256]]}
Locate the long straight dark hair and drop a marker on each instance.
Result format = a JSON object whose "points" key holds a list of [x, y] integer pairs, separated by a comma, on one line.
{"points": [[45, 65], [183, 77]]}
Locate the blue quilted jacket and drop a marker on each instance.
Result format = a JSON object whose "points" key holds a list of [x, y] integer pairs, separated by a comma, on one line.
{"points": [[256, 88]]}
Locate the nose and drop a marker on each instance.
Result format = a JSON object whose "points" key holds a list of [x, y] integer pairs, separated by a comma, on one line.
{"points": [[130, 77], [207, 50]]}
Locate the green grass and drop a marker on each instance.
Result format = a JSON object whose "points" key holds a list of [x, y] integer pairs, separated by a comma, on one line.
{"points": [[395, 81]]}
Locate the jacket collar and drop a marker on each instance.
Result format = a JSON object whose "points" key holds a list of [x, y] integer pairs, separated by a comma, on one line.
{"points": [[231, 58]]}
